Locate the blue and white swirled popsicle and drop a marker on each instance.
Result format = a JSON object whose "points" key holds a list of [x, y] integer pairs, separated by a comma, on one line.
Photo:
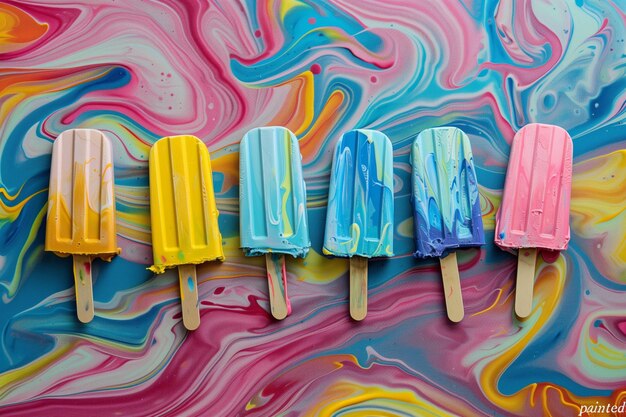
{"points": [[359, 221], [446, 204], [272, 200]]}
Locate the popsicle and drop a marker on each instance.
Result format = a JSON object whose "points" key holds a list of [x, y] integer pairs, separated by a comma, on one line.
{"points": [[359, 221], [183, 212], [534, 213], [81, 207], [446, 205], [272, 200]]}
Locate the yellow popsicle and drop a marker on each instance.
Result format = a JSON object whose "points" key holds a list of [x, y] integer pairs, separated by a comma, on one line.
{"points": [[185, 230], [81, 207]]}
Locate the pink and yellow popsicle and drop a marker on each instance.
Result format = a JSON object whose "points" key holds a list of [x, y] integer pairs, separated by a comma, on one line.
{"points": [[81, 207]]}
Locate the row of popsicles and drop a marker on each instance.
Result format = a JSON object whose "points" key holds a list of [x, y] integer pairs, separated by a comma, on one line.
{"points": [[534, 213]]}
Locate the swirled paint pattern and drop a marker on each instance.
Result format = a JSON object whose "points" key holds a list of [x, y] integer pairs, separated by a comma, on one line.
{"points": [[142, 70]]}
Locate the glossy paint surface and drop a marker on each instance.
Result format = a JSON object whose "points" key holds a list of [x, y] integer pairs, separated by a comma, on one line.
{"points": [[140, 71]]}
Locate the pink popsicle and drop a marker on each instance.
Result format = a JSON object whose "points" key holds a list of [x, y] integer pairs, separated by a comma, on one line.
{"points": [[536, 200]]}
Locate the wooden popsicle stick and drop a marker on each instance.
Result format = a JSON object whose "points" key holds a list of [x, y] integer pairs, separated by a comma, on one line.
{"points": [[189, 296], [277, 280], [358, 287], [452, 287], [83, 286], [526, 260]]}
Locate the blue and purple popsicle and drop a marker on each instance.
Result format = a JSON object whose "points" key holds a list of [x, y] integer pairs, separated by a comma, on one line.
{"points": [[446, 204]]}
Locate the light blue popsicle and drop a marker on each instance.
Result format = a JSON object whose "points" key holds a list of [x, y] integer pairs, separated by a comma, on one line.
{"points": [[272, 194], [272, 202]]}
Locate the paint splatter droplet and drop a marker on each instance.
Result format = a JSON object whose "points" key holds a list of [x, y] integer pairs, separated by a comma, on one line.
{"points": [[316, 69]]}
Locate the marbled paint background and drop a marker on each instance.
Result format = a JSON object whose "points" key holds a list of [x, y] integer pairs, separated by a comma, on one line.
{"points": [[140, 70]]}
